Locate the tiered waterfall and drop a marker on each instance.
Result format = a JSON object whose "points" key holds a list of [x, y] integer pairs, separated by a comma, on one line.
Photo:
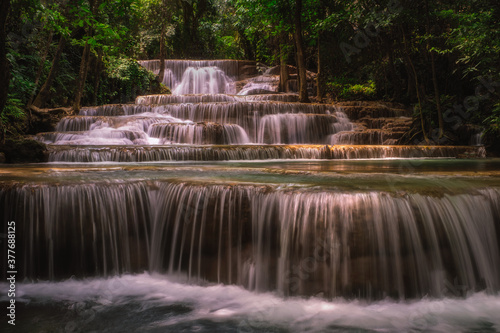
{"points": [[215, 184]]}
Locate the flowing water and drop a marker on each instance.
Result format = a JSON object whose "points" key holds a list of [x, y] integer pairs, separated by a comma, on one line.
{"points": [[217, 212]]}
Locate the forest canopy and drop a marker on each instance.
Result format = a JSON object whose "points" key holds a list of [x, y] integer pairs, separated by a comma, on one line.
{"points": [[440, 57]]}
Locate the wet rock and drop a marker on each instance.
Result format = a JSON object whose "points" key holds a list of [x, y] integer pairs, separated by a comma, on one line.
{"points": [[260, 92], [380, 111]]}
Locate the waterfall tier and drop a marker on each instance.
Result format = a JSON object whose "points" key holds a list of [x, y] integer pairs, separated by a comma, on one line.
{"points": [[250, 152], [204, 80], [176, 69], [199, 133], [296, 240], [213, 98]]}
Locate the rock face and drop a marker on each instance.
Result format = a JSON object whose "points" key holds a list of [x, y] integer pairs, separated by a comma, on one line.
{"points": [[24, 150], [374, 123]]}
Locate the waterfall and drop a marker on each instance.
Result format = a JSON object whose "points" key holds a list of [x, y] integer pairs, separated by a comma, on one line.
{"points": [[342, 127], [262, 84], [210, 211], [477, 139], [296, 241], [204, 80], [199, 133], [106, 130], [294, 128], [175, 71], [250, 152]]}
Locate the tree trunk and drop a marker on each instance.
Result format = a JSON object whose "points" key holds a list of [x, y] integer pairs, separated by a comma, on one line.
{"points": [[40, 68], [97, 79], [161, 74], [417, 85], [4, 63], [84, 64], [44, 93], [396, 82], [319, 78], [283, 85], [82, 76], [301, 63], [437, 96], [245, 43]]}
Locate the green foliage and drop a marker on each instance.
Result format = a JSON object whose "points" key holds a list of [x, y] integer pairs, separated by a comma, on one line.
{"points": [[21, 82], [493, 121], [343, 90], [395, 45], [13, 116], [474, 40], [164, 89], [124, 79], [13, 110]]}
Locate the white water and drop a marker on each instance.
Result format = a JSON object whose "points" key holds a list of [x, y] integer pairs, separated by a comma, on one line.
{"points": [[198, 133], [262, 122], [256, 87], [156, 303], [288, 128], [204, 80], [119, 130], [175, 69], [342, 126]]}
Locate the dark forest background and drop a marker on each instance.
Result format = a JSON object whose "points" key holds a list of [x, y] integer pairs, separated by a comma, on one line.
{"points": [[442, 58]]}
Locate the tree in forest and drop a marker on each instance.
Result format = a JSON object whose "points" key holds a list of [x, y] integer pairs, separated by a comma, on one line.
{"points": [[55, 20], [4, 63], [299, 46], [100, 21], [157, 18], [278, 20]]}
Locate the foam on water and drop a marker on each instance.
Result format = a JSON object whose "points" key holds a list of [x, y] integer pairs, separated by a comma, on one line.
{"points": [[157, 303]]}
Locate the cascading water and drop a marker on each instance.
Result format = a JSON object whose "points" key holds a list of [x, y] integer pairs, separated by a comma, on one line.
{"points": [[364, 242], [192, 75], [204, 80], [209, 211], [199, 133], [477, 139]]}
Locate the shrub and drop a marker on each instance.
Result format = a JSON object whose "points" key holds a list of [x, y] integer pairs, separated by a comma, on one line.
{"points": [[342, 90]]}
